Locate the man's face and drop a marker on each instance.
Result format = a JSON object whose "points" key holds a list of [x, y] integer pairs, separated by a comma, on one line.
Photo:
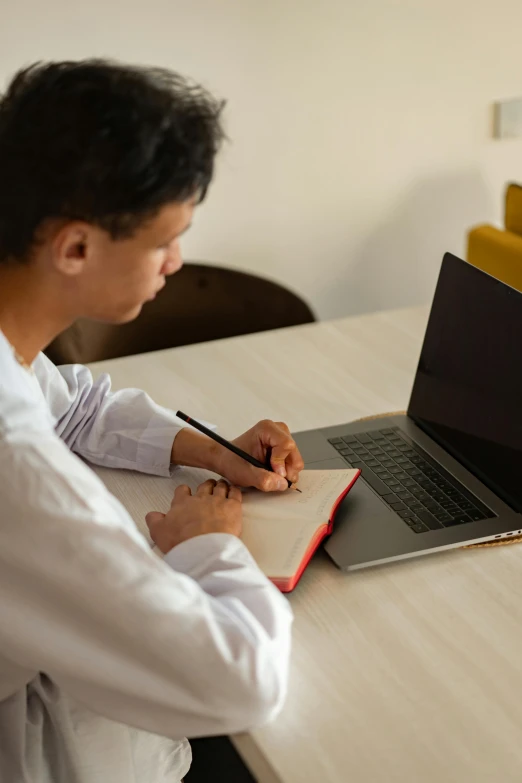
{"points": [[119, 277]]}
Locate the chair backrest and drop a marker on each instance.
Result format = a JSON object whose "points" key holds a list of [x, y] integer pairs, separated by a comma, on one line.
{"points": [[513, 209], [497, 252], [199, 303]]}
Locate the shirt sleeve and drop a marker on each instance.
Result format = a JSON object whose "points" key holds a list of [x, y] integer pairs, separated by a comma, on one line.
{"points": [[123, 429], [196, 644]]}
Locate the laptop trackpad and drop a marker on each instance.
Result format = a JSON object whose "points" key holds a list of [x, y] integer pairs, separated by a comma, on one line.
{"points": [[327, 464]]}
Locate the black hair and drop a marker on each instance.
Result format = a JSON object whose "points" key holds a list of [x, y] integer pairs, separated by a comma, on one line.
{"points": [[102, 142]]}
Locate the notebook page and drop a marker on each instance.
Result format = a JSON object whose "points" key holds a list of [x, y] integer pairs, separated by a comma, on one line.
{"points": [[278, 527], [319, 491]]}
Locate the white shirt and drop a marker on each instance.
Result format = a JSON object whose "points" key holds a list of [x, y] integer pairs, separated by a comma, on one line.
{"points": [[106, 649]]}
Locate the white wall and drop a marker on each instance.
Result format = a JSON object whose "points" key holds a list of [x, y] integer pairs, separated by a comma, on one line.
{"points": [[360, 132]]}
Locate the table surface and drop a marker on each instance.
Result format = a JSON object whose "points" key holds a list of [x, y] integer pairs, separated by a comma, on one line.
{"points": [[408, 672]]}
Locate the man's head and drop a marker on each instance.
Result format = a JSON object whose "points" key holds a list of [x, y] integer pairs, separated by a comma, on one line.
{"points": [[101, 166]]}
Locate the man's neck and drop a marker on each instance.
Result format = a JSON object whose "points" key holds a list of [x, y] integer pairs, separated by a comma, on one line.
{"points": [[29, 319]]}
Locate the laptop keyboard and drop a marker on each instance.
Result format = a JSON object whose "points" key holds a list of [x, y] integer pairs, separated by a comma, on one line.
{"points": [[416, 487]]}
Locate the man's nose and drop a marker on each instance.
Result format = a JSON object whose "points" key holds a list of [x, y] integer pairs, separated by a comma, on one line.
{"points": [[174, 262]]}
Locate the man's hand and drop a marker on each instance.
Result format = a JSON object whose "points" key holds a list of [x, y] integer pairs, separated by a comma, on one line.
{"points": [[198, 451], [285, 458], [215, 508]]}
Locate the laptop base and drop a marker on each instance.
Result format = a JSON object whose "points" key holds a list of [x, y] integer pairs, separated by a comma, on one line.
{"points": [[368, 532]]}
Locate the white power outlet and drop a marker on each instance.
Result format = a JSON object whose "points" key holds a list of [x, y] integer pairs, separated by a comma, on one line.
{"points": [[508, 119]]}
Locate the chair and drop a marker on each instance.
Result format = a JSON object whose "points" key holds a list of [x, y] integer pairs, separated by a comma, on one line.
{"points": [[497, 252], [199, 303]]}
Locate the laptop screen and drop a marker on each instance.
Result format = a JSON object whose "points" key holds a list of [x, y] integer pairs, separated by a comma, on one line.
{"points": [[468, 389]]}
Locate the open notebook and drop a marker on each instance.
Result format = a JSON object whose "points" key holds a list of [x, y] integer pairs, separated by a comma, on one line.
{"points": [[282, 530]]}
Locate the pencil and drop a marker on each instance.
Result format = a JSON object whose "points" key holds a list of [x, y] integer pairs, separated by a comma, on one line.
{"points": [[230, 446]]}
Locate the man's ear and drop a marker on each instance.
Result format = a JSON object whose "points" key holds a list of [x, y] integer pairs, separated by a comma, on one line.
{"points": [[70, 248]]}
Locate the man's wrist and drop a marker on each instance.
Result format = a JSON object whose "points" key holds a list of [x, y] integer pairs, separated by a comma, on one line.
{"points": [[194, 450]]}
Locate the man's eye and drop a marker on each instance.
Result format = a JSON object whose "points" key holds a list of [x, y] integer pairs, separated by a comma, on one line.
{"points": [[168, 245]]}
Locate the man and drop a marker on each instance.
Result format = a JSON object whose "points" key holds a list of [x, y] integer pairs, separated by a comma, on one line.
{"points": [[109, 655]]}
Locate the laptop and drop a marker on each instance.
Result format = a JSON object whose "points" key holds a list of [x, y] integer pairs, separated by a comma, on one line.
{"points": [[449, 472]]}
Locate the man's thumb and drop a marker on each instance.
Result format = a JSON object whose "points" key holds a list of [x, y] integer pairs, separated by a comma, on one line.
{"points": [[269, 482], [278, 465]]}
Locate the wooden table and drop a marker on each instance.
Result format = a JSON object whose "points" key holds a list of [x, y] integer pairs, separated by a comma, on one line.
{"points": [[410, 672]]}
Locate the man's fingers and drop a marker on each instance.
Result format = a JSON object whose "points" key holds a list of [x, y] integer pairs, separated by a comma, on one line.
{"points": [[276, 436], [285, 459], [221, 488], [182, 491], [207, 488], [293, 462], [234, 493], [282, 453], [278, 443], [294, 465]]}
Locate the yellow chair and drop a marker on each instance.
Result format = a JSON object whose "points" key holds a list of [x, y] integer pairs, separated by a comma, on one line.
{"points": [[499, 252]]}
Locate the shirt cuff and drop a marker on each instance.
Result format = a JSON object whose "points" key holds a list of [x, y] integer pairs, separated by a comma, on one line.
{"points": [[196, 556]]}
